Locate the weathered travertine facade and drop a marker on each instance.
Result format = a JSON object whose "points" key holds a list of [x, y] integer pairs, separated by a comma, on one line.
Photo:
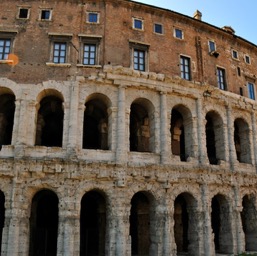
{"points": [[125, 129]]}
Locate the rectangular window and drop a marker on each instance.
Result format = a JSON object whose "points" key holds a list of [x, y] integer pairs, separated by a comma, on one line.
{"points": [[185, 67], [23, 13], [59, 55], [46, 14], [212, 46], [93, 17], [221, 79], [247, 59], [138, 24], [178, 33], [89, 54], [139, 60], [158, 28], [234, 54], [5, 48], [251, 93]]}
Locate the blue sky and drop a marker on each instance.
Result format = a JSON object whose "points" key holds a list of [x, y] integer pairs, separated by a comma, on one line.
{"points": [[240, 15]]}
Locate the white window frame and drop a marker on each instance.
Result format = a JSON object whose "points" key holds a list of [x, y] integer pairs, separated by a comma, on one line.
{"points": [[134, 19], [154, 28], [93, 22], [50, 14], [251, 90], [236, 53], [247, 56], [18, 13], [175, 33]]}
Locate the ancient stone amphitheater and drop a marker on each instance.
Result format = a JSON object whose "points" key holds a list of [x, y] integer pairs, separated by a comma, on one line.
{"points": [[125, 129]]}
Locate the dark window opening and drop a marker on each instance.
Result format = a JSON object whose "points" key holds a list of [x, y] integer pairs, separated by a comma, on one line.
{"points": [[158, 28], [238, 71], [181, 224], [45, 15], [44, 224], [241, 92], [92, 224], [140, 225], [178, 135], [7, 109], [95, 130], [215, 222], [210, 140], [23, 13], [139, 129], [50, 122], [249, 222]]}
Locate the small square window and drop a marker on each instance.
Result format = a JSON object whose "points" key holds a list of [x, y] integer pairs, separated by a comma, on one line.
{"points": [[23, 13], [93, 17], [178, 33], [138, 24], [158, 28], [234, 54], [45, 15], [247, 59]]}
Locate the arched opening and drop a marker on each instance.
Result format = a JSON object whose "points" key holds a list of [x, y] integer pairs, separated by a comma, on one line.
{"points": [[242, 141], [95, 129], [7, 109], [177, 135], [214, 138], [185, 224], [140, 225], [249, 222], [92, 224], [141, 126], [50, 122], [44, 224], [2, 217], [221, 225]]}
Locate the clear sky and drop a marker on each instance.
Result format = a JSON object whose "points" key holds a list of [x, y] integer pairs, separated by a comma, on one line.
{"points": [[241, 15]]}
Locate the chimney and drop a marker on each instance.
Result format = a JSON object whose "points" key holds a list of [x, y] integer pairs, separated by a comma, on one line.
{"points": [[198, 15]]}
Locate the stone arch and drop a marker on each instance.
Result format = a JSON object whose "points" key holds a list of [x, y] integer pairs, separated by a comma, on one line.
{"points": [[181, 132], [96, 128], [186, 224], [93, 223], [2, 216], [249, 222], [142, 132], [49, 130], [141, 224], [242, 140], [44, 223], [7, 110], [214, 137], [221, 224]]}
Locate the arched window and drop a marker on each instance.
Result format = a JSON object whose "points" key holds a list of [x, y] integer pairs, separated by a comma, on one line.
{"points": [[221, 225], [140, 225], [44, 224], [92, 224], [141, 126], [242, 141], [50, 122], [7, 109], [185, 221], [214, 137], [95, 129], [249, 222], [181, 132]]}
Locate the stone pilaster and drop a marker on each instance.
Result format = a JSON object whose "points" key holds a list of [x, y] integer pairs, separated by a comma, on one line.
{"points": [[16, 123], [121, 125], [254, 138], [231, 144], [164, 128], [208, 236]]}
